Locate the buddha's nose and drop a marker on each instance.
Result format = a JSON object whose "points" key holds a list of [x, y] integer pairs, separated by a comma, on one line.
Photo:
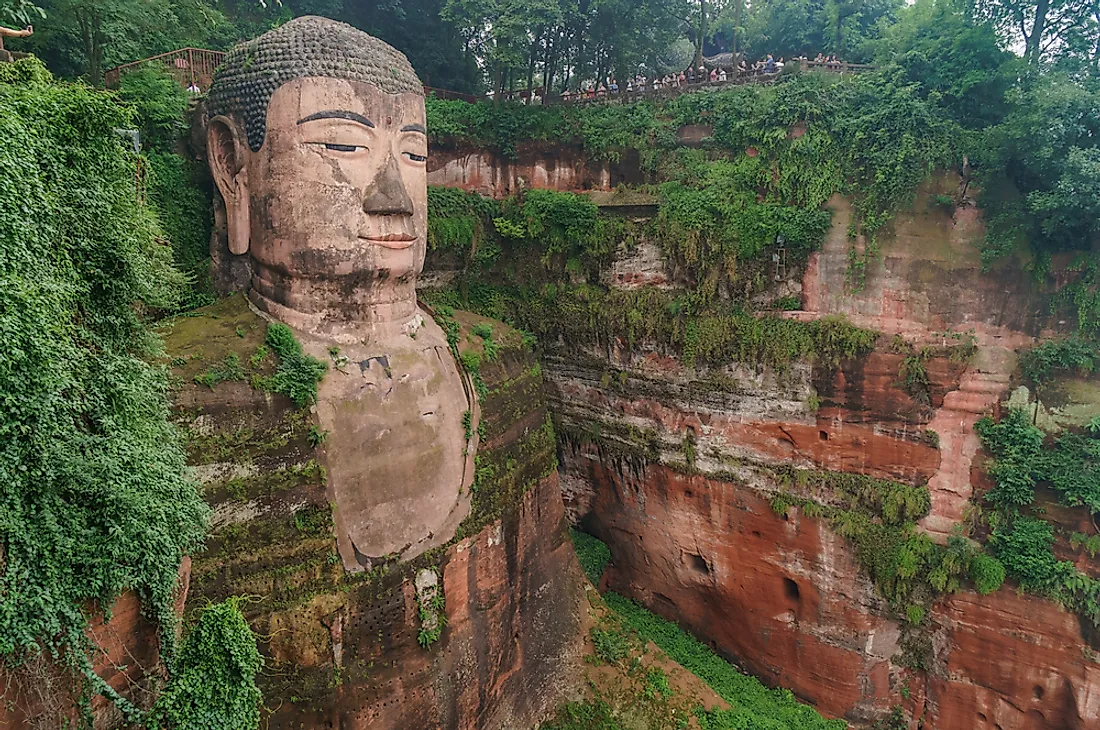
{"points": [[387, 194]]}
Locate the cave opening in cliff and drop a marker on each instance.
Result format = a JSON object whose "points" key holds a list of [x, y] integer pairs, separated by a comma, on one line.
{"points": [[790, 590], [698, 563]]}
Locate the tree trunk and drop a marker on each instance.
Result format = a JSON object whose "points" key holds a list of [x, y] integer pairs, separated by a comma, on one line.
{"points": [[547, 65], [738, 6], [1034, 41], [531, 67], [701, 35]]}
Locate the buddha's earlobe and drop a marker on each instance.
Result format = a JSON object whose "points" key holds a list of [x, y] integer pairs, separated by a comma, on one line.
{"points": [[227, 165]]}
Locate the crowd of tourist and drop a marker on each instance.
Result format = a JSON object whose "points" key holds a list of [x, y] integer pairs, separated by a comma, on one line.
{"points": [[766, 67]]}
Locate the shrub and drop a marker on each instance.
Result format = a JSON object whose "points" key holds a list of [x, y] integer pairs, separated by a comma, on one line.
{"points": [[612, 645], [213, 684], [1025, 547], [987, 573], [298, 374], [160, 104]]}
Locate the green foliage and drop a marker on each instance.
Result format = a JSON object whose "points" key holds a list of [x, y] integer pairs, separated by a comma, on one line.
{"points": [[298, 374], [1082, 297], [656, 684], [471, 363], [752, 704], [593, 554], [1024, 544], [914, 379], [213, 683], [709, 228], [94, 500], [1071, 467], [184, 211], [612, 645], [879, 517], [456, 219], [713, 335], [317, 436], [587, 715], [228, 369], [1038, 169], [1071, 355], [987, 573], [1089, 543], [159, 106], [603, 130], [1025, 547], [432, 613], [1015, 444]]}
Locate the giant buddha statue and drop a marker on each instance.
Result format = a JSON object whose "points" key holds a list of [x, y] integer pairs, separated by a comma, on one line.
{"points": [[317, 143], [389, 590]]}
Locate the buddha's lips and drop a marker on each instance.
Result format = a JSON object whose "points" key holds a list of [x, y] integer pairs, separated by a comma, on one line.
{"points": [[392, 240]]}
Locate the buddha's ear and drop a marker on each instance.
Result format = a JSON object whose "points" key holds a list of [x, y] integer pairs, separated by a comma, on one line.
{"points": [[226, 150]]}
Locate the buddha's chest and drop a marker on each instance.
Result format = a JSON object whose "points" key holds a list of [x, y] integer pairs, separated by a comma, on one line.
{"points": [[396, 448]]}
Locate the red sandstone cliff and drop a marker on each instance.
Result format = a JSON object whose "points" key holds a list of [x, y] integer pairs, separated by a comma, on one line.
{"points": [[786, 596]]}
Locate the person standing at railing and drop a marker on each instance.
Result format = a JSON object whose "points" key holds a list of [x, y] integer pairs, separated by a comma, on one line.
{"points": [[714, 75], [721, 75], [12, 33], [779, 65]]}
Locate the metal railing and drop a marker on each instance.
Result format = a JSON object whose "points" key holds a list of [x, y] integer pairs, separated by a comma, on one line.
{"points": [[191, 67]]}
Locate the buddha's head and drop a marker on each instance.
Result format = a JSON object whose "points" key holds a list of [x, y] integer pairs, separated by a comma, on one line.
{"points": [[317, 144]]}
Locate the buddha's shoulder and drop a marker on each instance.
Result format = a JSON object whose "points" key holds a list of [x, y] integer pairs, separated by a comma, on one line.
{"points": [[223, 352]]}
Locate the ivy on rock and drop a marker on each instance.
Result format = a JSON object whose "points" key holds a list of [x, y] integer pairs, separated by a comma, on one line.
{"points": [[95, 500]]}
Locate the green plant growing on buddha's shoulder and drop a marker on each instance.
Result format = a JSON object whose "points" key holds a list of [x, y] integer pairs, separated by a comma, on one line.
{"points": [[297, 373], [317, 436], [228, 369]]}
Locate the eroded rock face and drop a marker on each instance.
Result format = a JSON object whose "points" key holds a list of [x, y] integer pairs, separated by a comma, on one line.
{"points": [[1014, 662], [783, 597], [534, 166], [679, 479], [343, 649]]}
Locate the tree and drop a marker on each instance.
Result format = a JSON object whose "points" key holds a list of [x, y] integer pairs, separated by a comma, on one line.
{"points": [[937, 44], [19, 13], [86, 37], [1044, 28]]}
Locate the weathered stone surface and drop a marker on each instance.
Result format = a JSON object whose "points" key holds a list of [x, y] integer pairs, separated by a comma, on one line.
{"points": [[495, 175], [1012, 662], [342, 648], [784, 598]]}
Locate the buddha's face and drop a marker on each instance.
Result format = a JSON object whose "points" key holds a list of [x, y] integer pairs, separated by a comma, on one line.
{"points": [[339, 188]]}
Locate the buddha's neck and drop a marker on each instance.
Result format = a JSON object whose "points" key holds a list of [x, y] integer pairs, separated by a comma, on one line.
{"points": [[343, 310]]}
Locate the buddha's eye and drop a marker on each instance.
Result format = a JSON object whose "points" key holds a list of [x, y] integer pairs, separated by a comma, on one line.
{"points": [[343, 147], [415, 157]]}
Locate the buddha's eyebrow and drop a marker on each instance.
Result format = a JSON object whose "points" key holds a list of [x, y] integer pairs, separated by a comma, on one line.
{"points": [[338, 114], [415, 128]]}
